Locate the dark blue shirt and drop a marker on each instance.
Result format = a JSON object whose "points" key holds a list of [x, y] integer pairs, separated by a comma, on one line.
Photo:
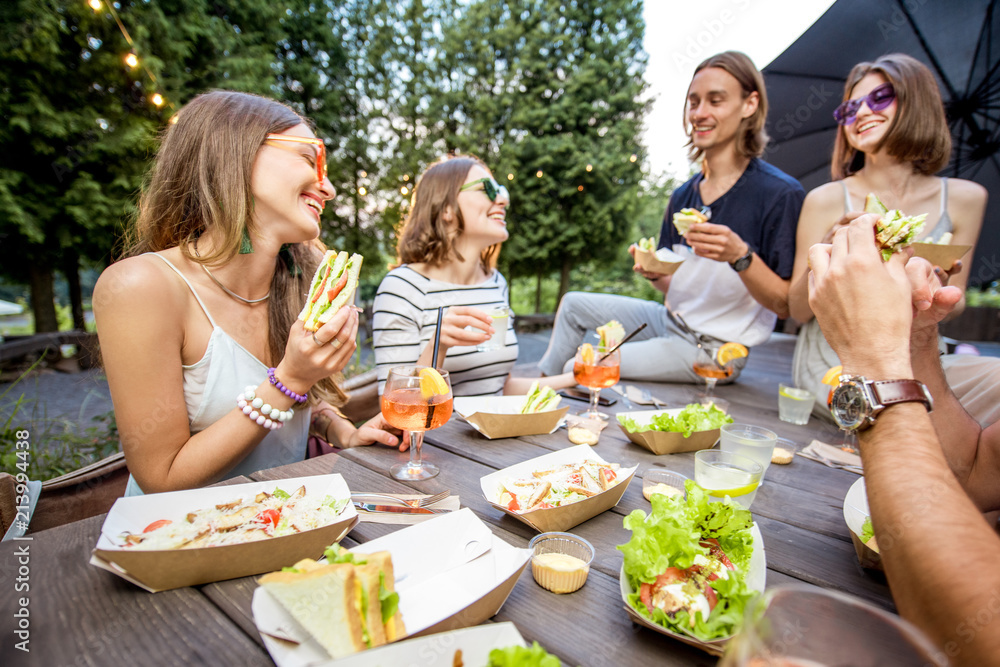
{"points": [[762, 207]]}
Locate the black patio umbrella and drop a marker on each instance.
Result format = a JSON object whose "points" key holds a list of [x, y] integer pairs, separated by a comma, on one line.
{"points": [[958, 39]]}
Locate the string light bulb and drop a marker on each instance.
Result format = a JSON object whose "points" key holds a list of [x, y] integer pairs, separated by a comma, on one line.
{"points": [[95, 5], [404, 190], [633, 158], [406, 177], [157, 99], [538, 174], [580, 188], [132, 60], [590, 167], [510, 177], [173, 119], [362, 191]]}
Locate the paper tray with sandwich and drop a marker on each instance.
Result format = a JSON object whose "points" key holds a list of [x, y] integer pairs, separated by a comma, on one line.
{"points": [[449, 572], [559, 490], [662, 260], [536, 413], [858, 518], [184, 538], [691, 567], [674, 430]]}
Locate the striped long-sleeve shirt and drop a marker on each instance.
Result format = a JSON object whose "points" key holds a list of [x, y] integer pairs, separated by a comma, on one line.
{"points": [[405, 314]]}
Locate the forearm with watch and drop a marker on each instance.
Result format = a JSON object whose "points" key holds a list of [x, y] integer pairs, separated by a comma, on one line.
{"points": [[765, 286]]}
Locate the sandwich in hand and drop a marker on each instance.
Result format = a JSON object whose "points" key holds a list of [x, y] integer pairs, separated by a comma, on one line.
{"points": [[894, 231], [333, 287], [540, 399], [347, 604], [686, 217], [649, 245], [610, 334]]}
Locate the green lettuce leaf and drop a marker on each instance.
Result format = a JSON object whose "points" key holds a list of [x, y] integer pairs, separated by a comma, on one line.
{"points": [[338, 554], [867, 531], [519, 656], [692, 418], [388, 600], [281, 494], [670, 537]]}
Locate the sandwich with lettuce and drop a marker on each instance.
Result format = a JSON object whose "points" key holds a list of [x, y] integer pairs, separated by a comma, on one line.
{"points": [[540, 399], [894, 231], [687, 563], [333, 287], [347, 604]]}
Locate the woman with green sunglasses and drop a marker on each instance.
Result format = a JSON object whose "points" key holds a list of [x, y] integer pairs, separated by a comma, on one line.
{"points": [[446, 258]]}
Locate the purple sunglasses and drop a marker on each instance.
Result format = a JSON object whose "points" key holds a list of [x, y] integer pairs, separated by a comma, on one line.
{"points": [[879, 98]]}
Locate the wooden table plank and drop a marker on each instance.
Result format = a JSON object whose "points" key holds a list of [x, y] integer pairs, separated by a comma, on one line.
{"points": [[82, 615]]}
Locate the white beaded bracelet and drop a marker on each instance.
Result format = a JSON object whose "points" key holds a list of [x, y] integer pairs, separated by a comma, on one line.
{"points": [[263, 413]]}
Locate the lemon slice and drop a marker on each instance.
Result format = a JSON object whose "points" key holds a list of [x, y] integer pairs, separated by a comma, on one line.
{"points": [[734, 493], [587, 354], [730, 352], [832, 376], [431, 383]]}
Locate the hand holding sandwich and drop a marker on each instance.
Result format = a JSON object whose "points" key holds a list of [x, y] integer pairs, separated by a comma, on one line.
{"points": [[305, 362], [717, 242]]}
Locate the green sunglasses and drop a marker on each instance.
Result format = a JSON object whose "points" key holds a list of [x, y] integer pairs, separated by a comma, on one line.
{"points": [[492, 189]]}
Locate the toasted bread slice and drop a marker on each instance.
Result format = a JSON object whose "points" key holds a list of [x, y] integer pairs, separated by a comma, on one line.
{"points": [[323, 600]]}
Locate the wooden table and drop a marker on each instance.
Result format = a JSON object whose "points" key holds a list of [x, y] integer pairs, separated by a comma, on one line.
{"points": [[80, 615]]}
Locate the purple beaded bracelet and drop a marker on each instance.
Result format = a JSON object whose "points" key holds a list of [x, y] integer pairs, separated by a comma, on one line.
{"points": [[298, 398]]}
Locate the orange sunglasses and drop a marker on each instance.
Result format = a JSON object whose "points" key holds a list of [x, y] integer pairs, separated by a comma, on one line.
{"points": [[320, 150]]}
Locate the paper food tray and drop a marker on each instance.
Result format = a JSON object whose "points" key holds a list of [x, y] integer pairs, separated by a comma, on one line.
{"points": [[756, 581], [855, 512], [163, 570], [451, 572], [500, 416], [566, 516], [665, 442]]}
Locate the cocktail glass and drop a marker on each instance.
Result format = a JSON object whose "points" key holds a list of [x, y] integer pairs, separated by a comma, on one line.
{"points": [[706, 365], [595, 373], [724, 474], [416, 399]]}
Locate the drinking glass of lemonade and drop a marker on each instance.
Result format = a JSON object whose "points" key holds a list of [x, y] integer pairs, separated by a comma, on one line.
{"points": [[754, 442], [724, 474], [595, 371], [416, 399]]}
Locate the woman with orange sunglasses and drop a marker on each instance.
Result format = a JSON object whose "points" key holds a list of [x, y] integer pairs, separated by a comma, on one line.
{"points": [[211, 373]]}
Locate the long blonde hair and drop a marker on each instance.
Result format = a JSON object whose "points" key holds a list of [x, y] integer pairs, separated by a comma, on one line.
{"points": [[201, 180]]}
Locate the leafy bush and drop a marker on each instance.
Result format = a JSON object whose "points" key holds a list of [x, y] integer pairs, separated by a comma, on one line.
{"points": [[988, 296], [57, 446]]}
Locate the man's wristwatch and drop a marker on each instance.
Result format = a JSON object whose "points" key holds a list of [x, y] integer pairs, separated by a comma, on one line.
{"points": [[856, 402], [743, 262]]}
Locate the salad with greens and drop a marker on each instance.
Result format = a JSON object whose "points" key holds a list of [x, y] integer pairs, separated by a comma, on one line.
{"points": [[692, 418], [687, 563], [520, 656]]}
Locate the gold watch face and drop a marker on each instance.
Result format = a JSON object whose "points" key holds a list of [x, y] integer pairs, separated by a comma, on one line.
{"points": [[849, 406]]}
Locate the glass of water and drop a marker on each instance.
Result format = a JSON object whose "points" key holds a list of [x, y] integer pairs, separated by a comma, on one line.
{"points": [[794, 404], [724, 474], [501, 318], [751, 441]]}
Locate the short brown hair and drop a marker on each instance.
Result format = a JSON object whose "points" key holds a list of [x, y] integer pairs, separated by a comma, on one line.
{"points": [[918, 134], [428, 233], [752, 138]]}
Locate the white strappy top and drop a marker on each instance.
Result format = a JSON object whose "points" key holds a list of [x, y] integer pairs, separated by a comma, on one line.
{"points": [[211, 386]]}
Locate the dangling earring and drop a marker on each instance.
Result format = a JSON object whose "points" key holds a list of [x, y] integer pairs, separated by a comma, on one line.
{"points": [[294, 270], [246, 247]]}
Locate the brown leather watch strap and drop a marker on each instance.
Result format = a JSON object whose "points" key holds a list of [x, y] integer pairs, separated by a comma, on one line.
{"points": [[890, 392]]}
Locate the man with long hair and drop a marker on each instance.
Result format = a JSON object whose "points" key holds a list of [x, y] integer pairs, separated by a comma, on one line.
{"points": [[733, 284]]}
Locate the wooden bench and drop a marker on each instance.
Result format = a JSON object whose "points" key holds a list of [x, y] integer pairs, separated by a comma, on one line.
{"points": [[16, 348]]}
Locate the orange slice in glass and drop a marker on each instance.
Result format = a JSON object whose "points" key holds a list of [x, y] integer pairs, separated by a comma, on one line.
{"points": [[587, 354], [729, 352], [431, 383]]}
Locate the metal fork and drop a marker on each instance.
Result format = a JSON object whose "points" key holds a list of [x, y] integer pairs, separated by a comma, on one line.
{"points": [[417, 502]]}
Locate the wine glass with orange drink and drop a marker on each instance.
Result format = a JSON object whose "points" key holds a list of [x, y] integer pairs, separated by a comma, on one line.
{"points": [[595, 371], [416, 399], [716, 361]]}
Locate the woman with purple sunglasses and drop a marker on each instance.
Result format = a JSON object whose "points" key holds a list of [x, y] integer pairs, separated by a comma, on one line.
{"points": [[892, 138]]}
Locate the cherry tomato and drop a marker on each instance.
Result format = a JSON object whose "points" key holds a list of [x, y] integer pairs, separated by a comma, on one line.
{"points": [[645, 593], [712, 598], [513, 505], [269, 516], [157, 524]]}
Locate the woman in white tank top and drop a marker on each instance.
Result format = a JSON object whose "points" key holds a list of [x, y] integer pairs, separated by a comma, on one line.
{"points": [[893, 138], [200, 319]]}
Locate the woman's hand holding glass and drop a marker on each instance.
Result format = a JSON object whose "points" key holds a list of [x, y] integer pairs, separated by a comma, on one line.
{"points": [[465, 326]]}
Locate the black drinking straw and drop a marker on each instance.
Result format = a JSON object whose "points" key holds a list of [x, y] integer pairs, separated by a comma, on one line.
{"points": [[434, 360], [624, 340]]}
